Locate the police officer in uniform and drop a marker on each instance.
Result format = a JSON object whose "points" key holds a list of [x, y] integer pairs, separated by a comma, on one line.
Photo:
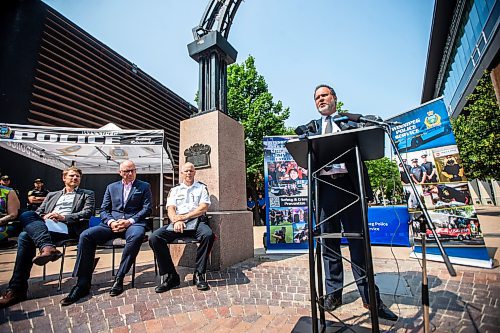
{"points": [[36, 195], [188, 200], [417, 173]]}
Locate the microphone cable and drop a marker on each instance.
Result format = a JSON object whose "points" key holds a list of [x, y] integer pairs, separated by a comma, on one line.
{"points": [[392, 250], [409, 223], [394, 257]]}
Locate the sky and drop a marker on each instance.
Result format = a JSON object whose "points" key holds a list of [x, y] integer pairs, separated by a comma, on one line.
{"points": [[372, 52]]}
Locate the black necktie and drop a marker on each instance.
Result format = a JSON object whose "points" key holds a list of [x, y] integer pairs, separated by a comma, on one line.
{"points": [[328, 128]]}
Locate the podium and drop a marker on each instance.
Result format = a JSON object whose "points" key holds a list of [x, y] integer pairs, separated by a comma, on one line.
{"points": [[314, 153]]}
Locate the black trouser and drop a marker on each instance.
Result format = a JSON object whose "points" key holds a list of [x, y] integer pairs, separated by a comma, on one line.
{"points": [[160, 239], [331, 201], [100, 234]]}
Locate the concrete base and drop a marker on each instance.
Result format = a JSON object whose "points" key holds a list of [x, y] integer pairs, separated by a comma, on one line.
{"points": [[226, 182], [225, 178], [230, 247]]}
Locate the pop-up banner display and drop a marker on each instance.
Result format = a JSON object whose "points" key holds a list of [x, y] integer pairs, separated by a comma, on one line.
{"points": [[286, 207], [427, 145], [286, 187]]}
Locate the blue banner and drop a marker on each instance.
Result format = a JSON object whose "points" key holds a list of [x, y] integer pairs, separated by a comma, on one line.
{"points": [[389, 225], [286, 205], [431, 157], [287, 211], [425, 127]]}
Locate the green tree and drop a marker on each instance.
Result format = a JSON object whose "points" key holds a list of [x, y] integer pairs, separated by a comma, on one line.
{"points": [[384, 178], [477, 132], [340, 106], [250, 102]]}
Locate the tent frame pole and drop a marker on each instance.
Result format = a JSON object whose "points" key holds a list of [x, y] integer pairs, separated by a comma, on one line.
{"points": [[161, 188]]}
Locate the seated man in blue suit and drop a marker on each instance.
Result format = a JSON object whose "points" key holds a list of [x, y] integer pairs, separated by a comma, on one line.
{"points": [[124, 209]]}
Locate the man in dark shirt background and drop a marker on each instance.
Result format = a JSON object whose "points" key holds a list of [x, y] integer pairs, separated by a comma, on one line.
{"points": [[430, 169], [36, 195], [261, 202]]}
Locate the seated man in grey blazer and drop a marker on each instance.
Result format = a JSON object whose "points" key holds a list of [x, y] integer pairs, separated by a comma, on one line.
{"points": [[62, 211]]}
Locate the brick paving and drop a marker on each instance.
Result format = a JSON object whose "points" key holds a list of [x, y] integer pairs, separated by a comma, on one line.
{"points": [[258, 295], [263, 294]]}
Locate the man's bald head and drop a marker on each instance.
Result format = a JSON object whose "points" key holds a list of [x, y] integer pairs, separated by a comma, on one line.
{"points": [[128, 171], [188, 172]]}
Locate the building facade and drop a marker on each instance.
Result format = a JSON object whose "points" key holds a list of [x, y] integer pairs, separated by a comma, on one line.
{"points": [[53, 73], [464, 42]]}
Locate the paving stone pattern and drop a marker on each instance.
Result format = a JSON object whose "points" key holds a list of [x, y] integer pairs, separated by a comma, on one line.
{"points": [[264, 294]]}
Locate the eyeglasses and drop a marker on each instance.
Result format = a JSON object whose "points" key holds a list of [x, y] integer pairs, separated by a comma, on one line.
{"points": [[128, 171]]}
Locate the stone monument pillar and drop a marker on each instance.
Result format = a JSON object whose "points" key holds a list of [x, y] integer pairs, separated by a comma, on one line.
{"points": [[225, 178]]}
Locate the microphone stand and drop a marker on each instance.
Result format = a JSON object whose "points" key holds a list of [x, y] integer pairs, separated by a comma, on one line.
{"points": [[425, 221]]}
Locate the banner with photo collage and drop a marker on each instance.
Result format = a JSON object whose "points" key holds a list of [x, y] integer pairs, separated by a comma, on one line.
{"points": [[430, 154], [286, 188]]}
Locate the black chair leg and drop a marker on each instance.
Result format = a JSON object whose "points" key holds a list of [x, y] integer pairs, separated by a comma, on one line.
{"points": [[61, 269], [133, 275], [113, 263], [156, 265], [44, 272]]}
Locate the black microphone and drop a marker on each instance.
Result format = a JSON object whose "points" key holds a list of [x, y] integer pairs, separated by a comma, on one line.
{"points": [[310, 128], [300, 130], [371, 119]]}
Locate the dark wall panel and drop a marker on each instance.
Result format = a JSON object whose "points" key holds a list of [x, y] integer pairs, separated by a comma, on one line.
{"points": [[21, 26], [56, 74]]}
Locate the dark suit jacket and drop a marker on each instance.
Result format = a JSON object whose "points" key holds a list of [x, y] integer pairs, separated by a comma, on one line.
{"points": [[137, 206], [350, 160], [83, 208]]}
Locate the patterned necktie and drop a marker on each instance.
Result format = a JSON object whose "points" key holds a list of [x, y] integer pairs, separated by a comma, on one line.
{"points": [[328, 128]]}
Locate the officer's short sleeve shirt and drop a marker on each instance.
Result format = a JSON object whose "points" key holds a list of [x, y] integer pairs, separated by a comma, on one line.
{"points": [[188, 198]]}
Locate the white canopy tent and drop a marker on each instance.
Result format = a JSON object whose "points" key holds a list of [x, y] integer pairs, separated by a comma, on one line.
{"points": [[95, 151]]}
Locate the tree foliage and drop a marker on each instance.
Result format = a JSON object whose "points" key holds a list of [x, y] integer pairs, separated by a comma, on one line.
{"points": [[384, 178], [250, 102], [477, 132], [340, 106]]}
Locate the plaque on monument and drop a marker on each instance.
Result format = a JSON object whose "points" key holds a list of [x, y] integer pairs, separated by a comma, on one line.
{"points": [[199, 155]]}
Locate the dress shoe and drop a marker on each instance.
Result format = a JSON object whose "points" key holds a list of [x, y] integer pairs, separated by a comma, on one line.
{"points": [[171, 281], [75, 294], [47, 254], [11, 297], [200, 282], [117, 287], [383, 312], [332, 302]]}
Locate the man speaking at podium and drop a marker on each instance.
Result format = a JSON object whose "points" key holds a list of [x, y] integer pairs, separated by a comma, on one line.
{"points": [[332, 200]]}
